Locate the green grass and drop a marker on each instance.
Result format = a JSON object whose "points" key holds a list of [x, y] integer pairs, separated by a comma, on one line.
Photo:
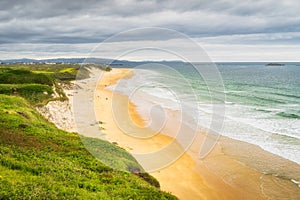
{"points": [[40, 161], [43, 68], [67, 70], [60, 72], [35, 87], [20, 76], [37, 160], [34, 93], [35, 82]]}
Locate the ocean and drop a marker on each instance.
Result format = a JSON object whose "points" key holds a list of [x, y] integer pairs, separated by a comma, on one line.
{"points": [[252, 102]]}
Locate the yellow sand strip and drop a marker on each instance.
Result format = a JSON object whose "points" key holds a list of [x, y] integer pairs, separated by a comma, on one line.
{"points": [[218, 176]]}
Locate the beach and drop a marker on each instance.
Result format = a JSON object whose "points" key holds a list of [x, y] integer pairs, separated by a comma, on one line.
{"points": [[232, 170]]}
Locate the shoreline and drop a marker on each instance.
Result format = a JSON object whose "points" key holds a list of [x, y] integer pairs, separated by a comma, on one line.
{"points": [[170, 177], [214, 176], [233, 170]]}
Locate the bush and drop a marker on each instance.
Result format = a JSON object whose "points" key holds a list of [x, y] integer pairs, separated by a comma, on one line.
{"points": [[20, 76], [34, 93]]}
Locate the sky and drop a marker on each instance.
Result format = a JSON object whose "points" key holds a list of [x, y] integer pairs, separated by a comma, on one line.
{"points": [[226, 30]]}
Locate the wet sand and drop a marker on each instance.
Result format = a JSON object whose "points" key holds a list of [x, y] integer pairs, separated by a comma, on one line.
{"points": [[232, 170]]}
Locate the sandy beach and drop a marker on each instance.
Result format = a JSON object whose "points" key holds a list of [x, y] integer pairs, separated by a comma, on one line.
{"points": [[233, 170]]}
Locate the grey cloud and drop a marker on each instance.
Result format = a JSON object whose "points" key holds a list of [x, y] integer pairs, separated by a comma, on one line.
{"points": [[92, 21], [45, 9]]}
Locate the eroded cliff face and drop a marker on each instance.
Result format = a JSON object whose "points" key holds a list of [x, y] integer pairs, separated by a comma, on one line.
{"points": [[60, 112]]}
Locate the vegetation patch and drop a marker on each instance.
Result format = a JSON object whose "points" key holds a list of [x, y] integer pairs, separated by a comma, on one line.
{"points": [[40, 161], [20, 76], [34, 93]]}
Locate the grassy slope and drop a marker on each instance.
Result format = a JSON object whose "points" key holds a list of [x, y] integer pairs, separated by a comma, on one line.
{"points": [[37, 160]]}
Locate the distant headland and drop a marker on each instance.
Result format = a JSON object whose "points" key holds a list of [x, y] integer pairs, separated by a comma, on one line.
{"points": [[275, 64]]}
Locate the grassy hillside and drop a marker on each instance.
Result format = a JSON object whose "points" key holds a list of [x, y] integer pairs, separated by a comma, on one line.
{"points": [[39, 161], [38, 82]]}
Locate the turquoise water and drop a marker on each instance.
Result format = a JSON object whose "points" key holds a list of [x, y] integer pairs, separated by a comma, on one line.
{"points": [[261, 103]]}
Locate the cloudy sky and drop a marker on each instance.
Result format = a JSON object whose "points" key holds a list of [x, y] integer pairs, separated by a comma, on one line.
{"points": [[228, 30]]}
